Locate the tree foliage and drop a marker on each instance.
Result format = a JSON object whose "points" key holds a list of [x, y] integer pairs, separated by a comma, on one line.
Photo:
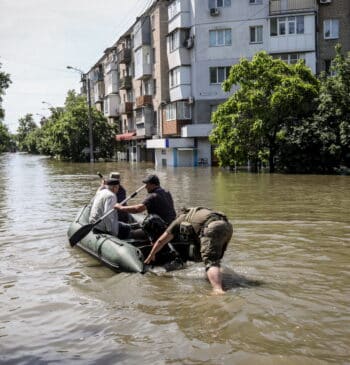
{"points": [[321, 143], [5, 137], [333, 114], [65, 134], [271, 96], [4, 84], [26, 132]]}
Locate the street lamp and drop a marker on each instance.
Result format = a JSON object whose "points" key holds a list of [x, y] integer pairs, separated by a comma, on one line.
{"points": [[85, 79]]}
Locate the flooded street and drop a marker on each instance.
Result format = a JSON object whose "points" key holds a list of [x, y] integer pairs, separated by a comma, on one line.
{"points": [[286, 271]]}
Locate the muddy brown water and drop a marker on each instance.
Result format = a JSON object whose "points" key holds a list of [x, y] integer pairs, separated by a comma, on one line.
{"points": [[286, 272]]}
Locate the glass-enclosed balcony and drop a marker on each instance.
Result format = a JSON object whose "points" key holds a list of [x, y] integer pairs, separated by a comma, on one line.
{"points": [[291, 6]]}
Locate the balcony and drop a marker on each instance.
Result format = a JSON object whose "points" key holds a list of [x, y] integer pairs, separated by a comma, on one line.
{"points": [[125, 83], [143, 100], [144, 122], [124, 56], [99, 91], [142, 32], [173, 127], [278, 7], [143, 65], [126, 108]]}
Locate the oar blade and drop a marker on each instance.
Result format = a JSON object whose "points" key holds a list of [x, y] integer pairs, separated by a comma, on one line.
{"points": [[80, 234]]}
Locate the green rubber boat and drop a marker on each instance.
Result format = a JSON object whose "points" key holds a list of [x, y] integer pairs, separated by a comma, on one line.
{"points": [[127, 255]]}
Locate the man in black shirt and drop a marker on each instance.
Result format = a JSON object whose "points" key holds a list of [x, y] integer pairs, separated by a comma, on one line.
{"points": [[158, 201]]}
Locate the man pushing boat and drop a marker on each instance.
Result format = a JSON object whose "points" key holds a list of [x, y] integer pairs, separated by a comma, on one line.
{"points": [[209, 229]]}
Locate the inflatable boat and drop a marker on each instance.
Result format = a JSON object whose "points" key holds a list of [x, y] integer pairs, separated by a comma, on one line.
{"points": [[128, 255]]}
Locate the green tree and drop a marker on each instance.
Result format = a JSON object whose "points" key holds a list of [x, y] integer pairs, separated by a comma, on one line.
{"points": [[322, 142], [5, 138], [333, 113], [271, 96], [26, 132], [66, 134], [4, 84]]}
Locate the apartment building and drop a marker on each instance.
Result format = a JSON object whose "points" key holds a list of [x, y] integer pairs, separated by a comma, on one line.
{"points": [[161, 81], [111, 99], [97, 86], [143, 69], [205, 38], [333, 28]]}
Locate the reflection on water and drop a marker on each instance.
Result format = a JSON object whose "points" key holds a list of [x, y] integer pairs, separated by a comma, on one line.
{"points": [[286, 272]]}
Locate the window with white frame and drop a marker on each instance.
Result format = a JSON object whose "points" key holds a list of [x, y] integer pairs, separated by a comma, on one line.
{"points": [[287, 25], [174, 77], [178, 110], [174, 40], [255, 2], [219, 4], [331, 29], [218, 75], [290, 58], [174, 8], [220, 37], [256, 34]]}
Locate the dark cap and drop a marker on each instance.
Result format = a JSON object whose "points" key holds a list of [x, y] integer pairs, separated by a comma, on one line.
{"points": [[110, 182], [151, 179]]}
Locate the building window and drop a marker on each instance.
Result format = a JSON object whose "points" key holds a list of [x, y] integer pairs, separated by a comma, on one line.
{"points": [[256, 34], [290, 58], [179, 110], [174, 9], [331, 29], [174, 77], [255, 2], [174, 40], [219, 4], [328, 64], [287, 25], [221, 37], [218, 74]]}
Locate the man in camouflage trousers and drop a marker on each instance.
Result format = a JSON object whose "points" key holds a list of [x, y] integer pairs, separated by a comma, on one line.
{"points": [[212, 232]]}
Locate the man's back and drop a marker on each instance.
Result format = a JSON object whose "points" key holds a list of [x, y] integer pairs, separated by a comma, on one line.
{"points": [[102, 203], [160, 202]]}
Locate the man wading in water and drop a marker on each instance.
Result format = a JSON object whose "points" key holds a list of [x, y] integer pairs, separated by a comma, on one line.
{"points": [[212, 232]]}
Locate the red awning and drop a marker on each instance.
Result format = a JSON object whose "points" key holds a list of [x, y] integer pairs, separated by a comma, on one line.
{"points": [[125, 136]]}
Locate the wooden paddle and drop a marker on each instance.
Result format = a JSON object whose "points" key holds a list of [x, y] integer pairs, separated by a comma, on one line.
{"points": [[84, 230]]}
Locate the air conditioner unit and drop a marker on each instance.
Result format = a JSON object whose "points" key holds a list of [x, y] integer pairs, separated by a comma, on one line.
{"points": [[214, 11], [325, 1], [189, 43]]}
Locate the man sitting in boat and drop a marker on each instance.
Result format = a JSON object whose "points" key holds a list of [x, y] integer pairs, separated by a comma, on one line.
{"points": [[121, 195], [105, 200], [158, 201], [209, 229]]}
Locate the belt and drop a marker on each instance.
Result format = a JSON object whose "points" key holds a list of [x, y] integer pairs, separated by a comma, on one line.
{"points": [[214, 217]]}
